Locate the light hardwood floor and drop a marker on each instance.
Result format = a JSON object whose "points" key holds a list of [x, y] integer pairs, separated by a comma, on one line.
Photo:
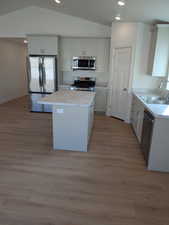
{"points": [[109, 185]]}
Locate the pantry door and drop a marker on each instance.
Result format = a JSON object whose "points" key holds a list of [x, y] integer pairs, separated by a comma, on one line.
{"points": [[120, 83]]}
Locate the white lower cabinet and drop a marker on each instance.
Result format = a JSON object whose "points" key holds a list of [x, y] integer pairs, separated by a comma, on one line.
{"points": [[101, 99], [72, 127], [137, 116], [155, 135]]}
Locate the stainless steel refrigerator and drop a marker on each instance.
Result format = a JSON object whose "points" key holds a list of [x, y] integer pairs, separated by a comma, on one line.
{"points": [[42, 80]]}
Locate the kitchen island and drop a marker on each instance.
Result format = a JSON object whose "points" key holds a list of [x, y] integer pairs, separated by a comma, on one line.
{"points": [[73, 113]]}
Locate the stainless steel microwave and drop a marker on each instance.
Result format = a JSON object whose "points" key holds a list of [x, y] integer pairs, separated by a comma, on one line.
{"points": [[84, 63]]}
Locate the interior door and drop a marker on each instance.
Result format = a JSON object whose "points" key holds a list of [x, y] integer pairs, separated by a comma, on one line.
{"points": [[35, 74], [49, 74], [120, 99]]}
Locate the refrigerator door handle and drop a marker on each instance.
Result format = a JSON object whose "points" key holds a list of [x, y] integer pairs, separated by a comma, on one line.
{"points": [[40, 75], [28, 68], [43, 74]]}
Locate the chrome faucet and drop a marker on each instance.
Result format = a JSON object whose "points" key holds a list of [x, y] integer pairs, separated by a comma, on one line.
{"points": [[162, 83]]}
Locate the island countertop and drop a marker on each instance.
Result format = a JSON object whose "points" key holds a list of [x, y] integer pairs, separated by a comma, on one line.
{"points": [[71, 98]]}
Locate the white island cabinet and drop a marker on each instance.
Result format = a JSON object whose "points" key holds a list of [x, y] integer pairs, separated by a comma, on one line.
{"points": [[72, 119]]}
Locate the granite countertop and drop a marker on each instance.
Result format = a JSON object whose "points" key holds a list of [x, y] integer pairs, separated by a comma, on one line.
{"points": [[69, 98], [158, 110]]}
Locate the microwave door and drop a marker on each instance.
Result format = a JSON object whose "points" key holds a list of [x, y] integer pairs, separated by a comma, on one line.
{"points": [[83, 63], [35, 74], [49, 74]]}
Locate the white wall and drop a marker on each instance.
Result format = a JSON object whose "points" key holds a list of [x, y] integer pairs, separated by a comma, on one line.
{"points": [[124, 34], [138, 36], [142, 78], [12, 70], [35, 20]]}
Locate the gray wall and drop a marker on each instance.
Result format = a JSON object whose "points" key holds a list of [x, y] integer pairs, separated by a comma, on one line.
{"points": [[12, 69]]}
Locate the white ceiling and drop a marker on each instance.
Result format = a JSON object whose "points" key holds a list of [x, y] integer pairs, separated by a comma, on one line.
{"points": [[101, 11]]}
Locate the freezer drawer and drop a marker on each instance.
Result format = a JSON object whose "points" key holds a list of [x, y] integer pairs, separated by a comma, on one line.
{"points": [[36, 107]]}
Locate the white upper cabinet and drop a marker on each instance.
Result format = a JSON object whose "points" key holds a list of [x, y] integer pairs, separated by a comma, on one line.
{"points": [[159, 63], [98, 47], [42, 45]]}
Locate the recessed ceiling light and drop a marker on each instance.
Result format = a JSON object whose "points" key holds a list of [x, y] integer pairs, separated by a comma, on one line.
{"points": [[57, 1], [25, 41], [117, 17], [121, 3]]}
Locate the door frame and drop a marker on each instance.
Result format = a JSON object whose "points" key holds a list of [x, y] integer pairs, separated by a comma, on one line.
{"points": [[112, 55]]}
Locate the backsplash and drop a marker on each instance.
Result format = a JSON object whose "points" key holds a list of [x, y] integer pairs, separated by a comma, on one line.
{"points": [[67, 78]]}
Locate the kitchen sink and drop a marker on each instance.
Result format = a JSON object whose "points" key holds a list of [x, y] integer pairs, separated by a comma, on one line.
{"points": [[154, 100]]}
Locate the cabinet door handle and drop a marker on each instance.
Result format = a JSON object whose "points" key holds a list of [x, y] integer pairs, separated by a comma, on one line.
{"points": [[124, 89]]}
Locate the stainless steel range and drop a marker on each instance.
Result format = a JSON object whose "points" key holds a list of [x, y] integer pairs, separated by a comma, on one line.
{"points": [[84, 84]]}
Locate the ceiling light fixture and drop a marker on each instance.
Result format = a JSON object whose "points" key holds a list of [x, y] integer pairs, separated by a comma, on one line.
{"points": [[117, 17], [25, 41], [121, 3], [58, 1]]}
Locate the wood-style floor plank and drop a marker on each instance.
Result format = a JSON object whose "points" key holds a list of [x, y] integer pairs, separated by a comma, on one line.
{"points": [[108, 185]]}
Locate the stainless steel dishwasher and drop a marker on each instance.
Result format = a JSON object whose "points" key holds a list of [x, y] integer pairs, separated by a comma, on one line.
{"points": [[147, 131]]}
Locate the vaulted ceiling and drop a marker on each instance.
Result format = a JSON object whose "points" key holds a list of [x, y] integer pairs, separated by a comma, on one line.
{"points": [[101, 11]]}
